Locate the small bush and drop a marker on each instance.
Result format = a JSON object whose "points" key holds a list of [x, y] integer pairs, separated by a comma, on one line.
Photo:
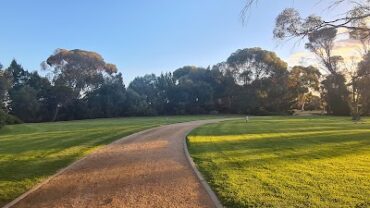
{"points": [[2, 118], [214, 112], [6, 119], [10, 119]]}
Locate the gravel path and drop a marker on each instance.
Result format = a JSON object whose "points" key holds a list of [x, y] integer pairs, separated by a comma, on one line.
{"points": [[148, 169]]}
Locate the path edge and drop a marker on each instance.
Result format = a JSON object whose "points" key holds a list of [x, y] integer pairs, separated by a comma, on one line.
{"points": [[59, 172], [200, 177]]}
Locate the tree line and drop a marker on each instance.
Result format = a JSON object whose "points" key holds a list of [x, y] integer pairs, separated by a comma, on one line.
{"points": [[81, 85], [345, 85]]}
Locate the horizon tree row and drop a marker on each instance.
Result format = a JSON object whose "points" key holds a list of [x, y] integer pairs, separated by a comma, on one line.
{"points": [[345, 85], [81, 85]]}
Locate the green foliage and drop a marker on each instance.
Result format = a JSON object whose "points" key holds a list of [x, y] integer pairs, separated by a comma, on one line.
{"points": [[6, 119], [302, 82], [108, 100], [146, 88], [252, 81], [24, 103], [290, 24], [313, 102], [335, 94], [78, 69], [3, 116], [255, 64], [18, 74], [286, 161], [11, 120], [263, 81], [5, 85], [363, 84], [31, 152]]}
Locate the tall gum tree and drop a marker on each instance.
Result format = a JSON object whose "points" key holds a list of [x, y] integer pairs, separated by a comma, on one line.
{"points": [[75, 73]]}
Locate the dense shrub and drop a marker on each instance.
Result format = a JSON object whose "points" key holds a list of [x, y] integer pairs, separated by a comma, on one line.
{"points": [[10, 119], [2, 118], [6, 119]]}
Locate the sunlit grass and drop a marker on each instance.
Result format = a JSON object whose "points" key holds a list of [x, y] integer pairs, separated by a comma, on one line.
{"points": [[31, 152], [286, 161]]}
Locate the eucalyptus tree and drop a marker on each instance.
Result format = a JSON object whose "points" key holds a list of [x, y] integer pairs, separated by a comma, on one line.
{"points": [[263, 76], [291, 24], [255, 64], [362, 82], [334, 89], [303, 81], [321, 43], [194, 92], [321, 33], [146, 87], [5, 85], [78, 69], [75, 74]]}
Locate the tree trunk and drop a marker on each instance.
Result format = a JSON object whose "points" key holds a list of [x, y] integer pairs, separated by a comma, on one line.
{"points": [[303, 101], [355, 102], [56, 113], [303, 104]]}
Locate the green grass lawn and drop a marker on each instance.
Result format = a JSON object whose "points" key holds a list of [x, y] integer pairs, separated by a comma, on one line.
{"points": [[286, 161], [31, 152]]}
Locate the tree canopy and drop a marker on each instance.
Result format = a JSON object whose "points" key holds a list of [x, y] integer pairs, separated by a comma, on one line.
{"points": [[249, 81], [79, 69]]}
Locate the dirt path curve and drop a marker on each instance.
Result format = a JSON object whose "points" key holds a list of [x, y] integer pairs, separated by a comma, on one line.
{"points": [[148, 169]]}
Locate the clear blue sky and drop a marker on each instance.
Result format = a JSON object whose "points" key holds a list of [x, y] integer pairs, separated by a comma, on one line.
{"points": [[139, 36]]}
